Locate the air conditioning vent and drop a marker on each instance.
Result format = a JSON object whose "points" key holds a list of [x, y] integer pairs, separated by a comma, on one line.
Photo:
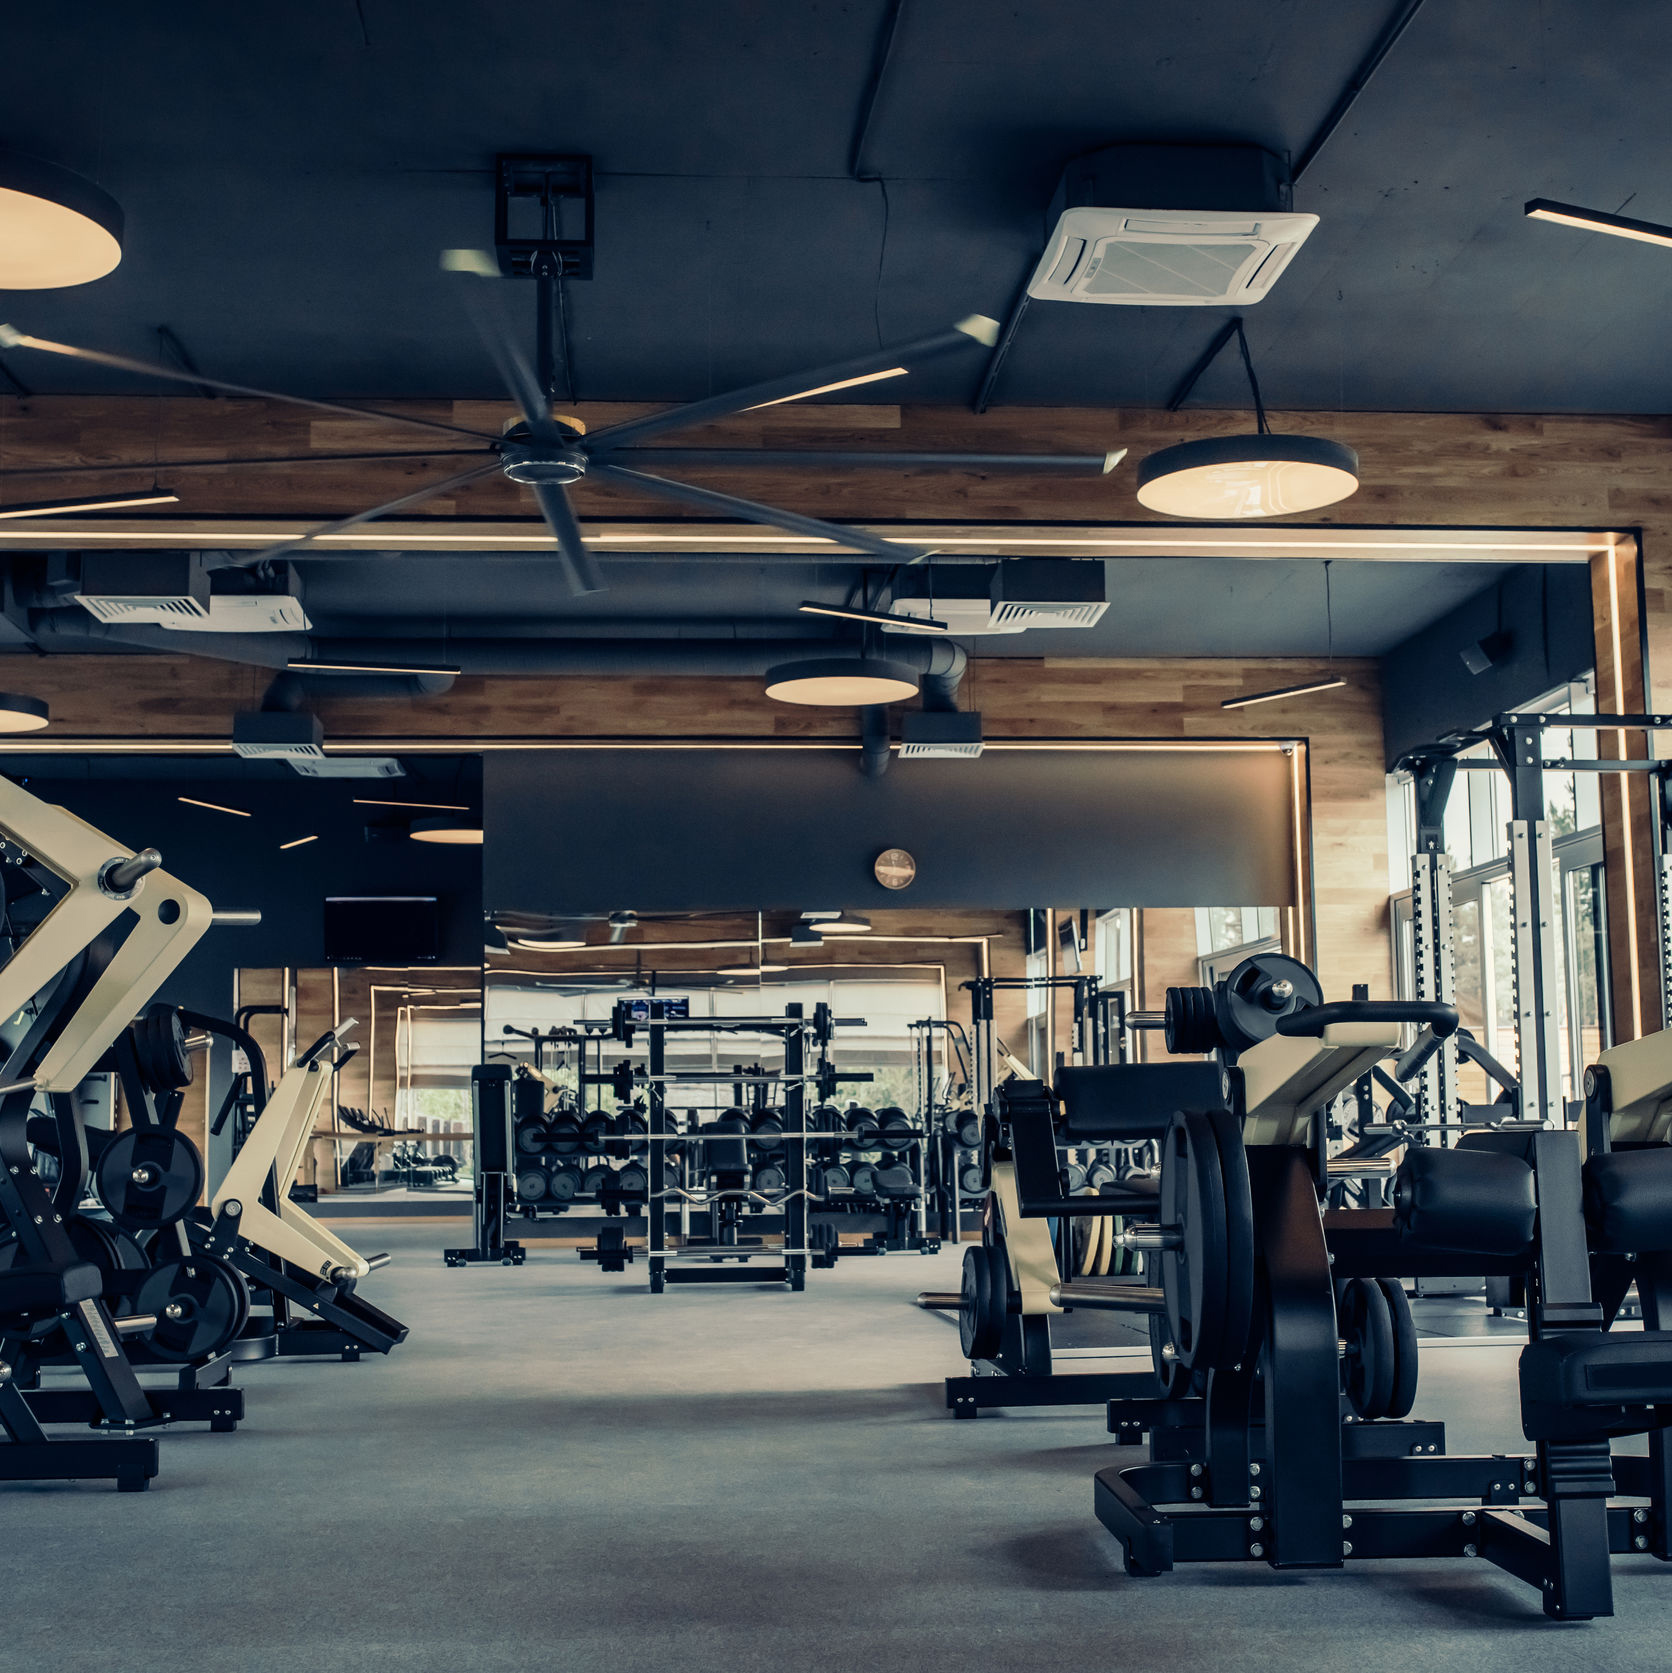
{"points": [[349, 766], [258, 735], [247, 613], [939, 735], [1010, 597], [147, 612], [1202, 261]]}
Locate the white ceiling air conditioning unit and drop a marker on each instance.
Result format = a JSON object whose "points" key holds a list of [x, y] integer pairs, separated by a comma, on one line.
{"points": [[1175, 226], [172, 590], [1010, 597], [348, 766]]}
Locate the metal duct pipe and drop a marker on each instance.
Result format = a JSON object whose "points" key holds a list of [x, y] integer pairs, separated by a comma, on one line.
{"points": [[874, 752], [939, 663], [942, 674]]}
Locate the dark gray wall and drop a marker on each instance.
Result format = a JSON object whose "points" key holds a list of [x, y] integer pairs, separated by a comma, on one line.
{"points": [[678, 830], [237, 863], [1426, 690]]}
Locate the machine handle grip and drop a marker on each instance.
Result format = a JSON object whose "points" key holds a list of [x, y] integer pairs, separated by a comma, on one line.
{"points": [[119, 877], [236, 917], [1442, 1019]]}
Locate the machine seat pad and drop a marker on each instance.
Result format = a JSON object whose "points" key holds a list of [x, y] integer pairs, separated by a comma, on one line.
{"points": [[1581, 1382], [1628, 1200], [45, 1289], [1129, 1102]]}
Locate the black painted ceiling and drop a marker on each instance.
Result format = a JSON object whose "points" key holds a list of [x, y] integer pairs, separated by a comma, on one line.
{"points": [[291, 172]]}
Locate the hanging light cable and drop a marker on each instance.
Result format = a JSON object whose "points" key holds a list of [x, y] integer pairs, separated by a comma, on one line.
{"points": [[1331, 681]]}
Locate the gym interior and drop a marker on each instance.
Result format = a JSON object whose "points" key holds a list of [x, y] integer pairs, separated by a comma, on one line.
{"points": [[836, 836]]}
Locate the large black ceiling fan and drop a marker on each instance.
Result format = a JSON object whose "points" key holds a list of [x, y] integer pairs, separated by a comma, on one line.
{"points": [[546, 452]]}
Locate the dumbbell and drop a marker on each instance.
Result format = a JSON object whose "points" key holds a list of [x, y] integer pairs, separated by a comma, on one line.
{"points": [[1077, 1178], [727, 1155], [1100, 1174], [968, 1129], [533, 1135], [595, 1132], [595, 1179], [531, 1185], [769, 1177], [632, 1179], [565, 1184], [836, 1178], [894, 1128], [670, 1176], [630, 1129], [969, 1179], [563, 1136], [864, 1177], [862, 1128], [767, 1135]]}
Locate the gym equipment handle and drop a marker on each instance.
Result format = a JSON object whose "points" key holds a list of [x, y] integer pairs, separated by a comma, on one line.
{"points": [[376, 1263], [1113, 1298], [236, 917], [120, 876], [135, 1323], [1442, 1019]]}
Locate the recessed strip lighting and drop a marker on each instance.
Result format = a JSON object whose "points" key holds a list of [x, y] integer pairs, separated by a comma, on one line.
{"points": [[214, 807], [308, 665], [826, 388], [113, 502], [433, 807], [1282, 691], [875, 618], [299, 842], [1594, 220]]}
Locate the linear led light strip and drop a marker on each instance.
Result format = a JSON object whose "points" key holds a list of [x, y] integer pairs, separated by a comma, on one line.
{"points": [[470, 540], [481, 746]]}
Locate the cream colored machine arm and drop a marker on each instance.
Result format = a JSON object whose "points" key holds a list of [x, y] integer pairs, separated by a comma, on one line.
{"points": [[105, 881], [278, 1142], [1639, 1089], [1287, 1079], [1027, 1245]]}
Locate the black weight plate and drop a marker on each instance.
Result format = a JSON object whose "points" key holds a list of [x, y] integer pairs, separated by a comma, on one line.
{"points": [[973, 1314], [159, 1039], [1194, 1276], [1366, 1325], [531, 1185], [532, 1136], [998, 1294], [201, 1304], [595, 1129], [969, 1131], [149, 1177], [564, 1136], [636, 1131], [1239, 1236], [1173, 1378], [1246, 1010], [612, 1237], [1404, 1393]]}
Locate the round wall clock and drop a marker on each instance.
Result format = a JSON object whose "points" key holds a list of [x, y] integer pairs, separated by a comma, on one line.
{"points": [[895, 868]]}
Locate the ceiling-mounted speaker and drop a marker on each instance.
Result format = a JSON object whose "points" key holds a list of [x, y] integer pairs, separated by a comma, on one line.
{"points": [[1176, 226]]}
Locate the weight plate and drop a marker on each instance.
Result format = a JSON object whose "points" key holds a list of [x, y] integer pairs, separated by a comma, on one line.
{"points": [[159, 1039], [533, 1136], [998, 1295], [564, 1136], [1194, 1275], [1367, 1367], [531, 1185], [1249, 1002], [1239, 1236], [595, 1129], [612, 1237], [973, 1316], [1173, 1378], [201, 1304], [636, 1131], [862, 1128], [1082, 1244], [149, 1176], [1404, 1393]]}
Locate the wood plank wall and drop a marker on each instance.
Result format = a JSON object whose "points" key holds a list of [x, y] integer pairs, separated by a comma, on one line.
{"points": [[1470, 470]]}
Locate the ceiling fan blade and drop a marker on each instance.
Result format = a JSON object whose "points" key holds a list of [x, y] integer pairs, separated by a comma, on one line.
{"points": [[416, 497], [479, 286], [772, 458], [11, 338], [973, 332], [579, 568], [147, 466], [840, 533]]}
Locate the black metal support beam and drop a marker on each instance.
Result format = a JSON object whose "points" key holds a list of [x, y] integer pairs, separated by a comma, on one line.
{"points": [[1188, 382], [1403, 15], [880, 58], [1012, 324]]}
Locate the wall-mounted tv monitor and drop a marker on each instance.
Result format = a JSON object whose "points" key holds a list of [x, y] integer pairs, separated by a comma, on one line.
{"points": [[382, 929]]}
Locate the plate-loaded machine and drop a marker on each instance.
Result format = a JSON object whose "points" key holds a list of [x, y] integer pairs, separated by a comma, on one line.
{"points": [[1004, 1306], [84, 992], [1268, 1318]]}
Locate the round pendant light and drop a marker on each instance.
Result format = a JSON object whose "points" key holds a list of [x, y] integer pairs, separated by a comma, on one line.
{"points": [[1230, 477], [22, 714], [446, 832], [842, 682], [56, 229]]}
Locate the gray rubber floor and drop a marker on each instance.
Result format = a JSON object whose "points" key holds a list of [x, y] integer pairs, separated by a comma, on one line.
{"points": [[560, 1471]]}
